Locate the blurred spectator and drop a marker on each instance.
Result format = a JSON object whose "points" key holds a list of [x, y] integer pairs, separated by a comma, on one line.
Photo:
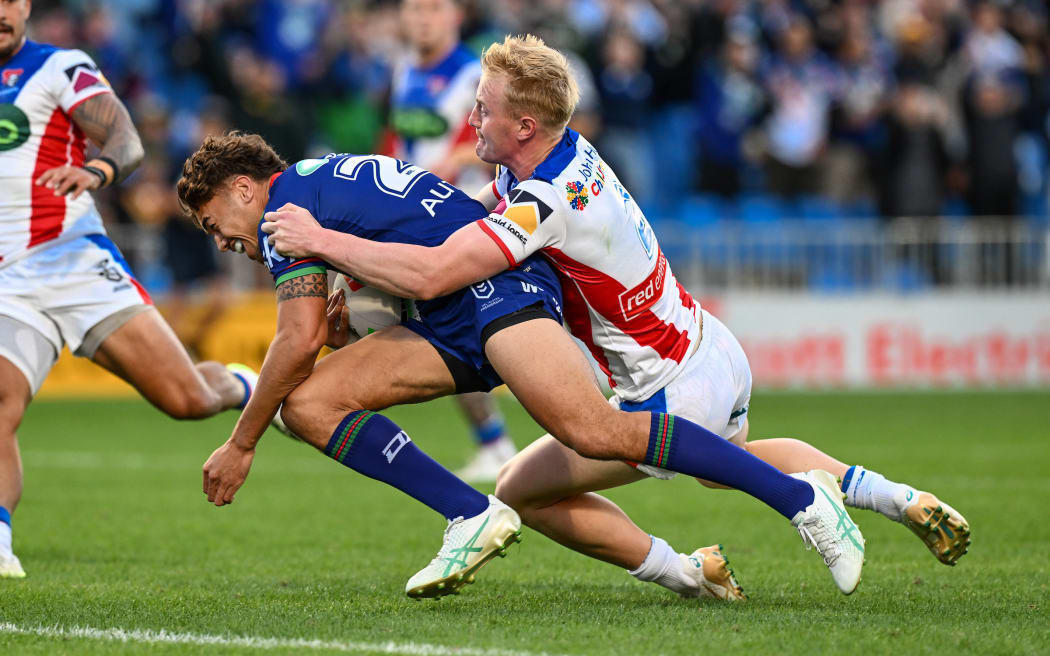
{"points": [[993, 124], [729, 102], [914, 160], [802, 84], [625, 88], [857, 122]]}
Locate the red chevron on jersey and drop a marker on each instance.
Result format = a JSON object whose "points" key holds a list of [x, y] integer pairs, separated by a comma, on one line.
{"points": [[603, 294]]}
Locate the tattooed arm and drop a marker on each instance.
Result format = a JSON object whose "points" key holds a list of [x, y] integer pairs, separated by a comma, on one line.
{"points": [[301, 332], [105, 120]]}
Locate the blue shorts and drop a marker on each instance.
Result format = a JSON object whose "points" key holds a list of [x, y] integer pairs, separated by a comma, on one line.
{"points": [[459, 324]]}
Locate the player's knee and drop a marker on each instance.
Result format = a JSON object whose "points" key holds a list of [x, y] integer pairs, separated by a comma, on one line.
{"points": [[11, 411], [509, 485], [297, 410]]}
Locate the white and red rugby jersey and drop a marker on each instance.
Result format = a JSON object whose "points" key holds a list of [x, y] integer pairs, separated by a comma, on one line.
{"points": [[621, 299], [39, 89]]}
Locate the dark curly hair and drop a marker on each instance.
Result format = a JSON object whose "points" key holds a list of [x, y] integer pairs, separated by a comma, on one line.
{"points": [[219, 158]]}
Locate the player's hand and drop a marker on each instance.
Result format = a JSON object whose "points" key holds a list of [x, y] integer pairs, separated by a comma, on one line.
{"points": [[338, 321], [225, 471], [293, 231], [71, 180]]}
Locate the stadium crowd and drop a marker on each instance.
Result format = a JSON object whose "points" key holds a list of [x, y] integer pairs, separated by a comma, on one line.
{"points": [[839, 108]]}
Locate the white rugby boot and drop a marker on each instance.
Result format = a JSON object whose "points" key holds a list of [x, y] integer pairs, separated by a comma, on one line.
{"points": [[710, 569], [943, 530], [485, 465], [10, 568], [468, 545], [826, 525], [248, 375]]}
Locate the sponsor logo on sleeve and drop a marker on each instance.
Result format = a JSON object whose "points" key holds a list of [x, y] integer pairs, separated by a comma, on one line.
{"points": [[576, 194], [84, 75], [526, 210], [509, 226]]}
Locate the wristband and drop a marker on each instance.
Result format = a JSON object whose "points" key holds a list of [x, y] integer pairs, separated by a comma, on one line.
{"points": [[113, 164], [99, 172]]}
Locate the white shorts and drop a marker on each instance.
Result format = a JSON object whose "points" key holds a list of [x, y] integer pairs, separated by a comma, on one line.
{"points": [[712, 390], [61, 293]]}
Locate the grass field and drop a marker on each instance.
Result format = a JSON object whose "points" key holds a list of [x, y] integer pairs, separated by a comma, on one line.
{"points": [[115, 534]]}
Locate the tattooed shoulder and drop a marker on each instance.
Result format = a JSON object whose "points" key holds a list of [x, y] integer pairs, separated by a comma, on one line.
{"points": [[312, 284]]}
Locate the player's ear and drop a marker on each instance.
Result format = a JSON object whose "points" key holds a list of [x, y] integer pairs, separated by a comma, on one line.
{"points": [[243, 188], [527, 128]]}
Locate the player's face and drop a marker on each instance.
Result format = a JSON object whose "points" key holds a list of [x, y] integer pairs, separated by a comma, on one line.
{"points": [[230, 220], [492, 119], [13, 17], [430, 24]]}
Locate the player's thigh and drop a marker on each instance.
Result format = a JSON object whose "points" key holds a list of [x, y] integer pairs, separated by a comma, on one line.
{"points": [[714, 388], [144, 351], [547, 471], [26, 357], [549, 375], [389, 367]]}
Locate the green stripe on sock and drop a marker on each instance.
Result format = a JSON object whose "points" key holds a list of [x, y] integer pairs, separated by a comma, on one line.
{"points": [[350, 434]]}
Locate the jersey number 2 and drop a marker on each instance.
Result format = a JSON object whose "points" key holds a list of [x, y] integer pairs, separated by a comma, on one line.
{"points": [[392, 176]]}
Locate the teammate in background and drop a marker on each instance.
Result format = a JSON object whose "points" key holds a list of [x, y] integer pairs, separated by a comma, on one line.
{"points": [[431, 98], [62, 281], [662, 353]]}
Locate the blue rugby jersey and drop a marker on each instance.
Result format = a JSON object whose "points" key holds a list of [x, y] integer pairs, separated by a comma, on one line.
{"points": [[370, 196]]}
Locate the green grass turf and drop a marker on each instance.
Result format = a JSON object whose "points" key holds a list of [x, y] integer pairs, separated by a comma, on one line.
{"points": [[114, 532]]}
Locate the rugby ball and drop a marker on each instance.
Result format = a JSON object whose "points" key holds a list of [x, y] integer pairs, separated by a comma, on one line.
{"points": [[368, 309]]}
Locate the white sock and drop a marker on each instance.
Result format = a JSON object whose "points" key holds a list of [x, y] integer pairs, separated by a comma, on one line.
{"points": [[502, 447], [873, 491], [664, 567], [5, 538]]}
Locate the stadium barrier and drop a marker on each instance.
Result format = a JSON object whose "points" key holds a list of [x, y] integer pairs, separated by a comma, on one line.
{"points": [[816, 303], [955, 339]]}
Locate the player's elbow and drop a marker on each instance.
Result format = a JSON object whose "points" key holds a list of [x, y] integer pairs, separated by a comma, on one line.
{"points": [[136, 153], [427, 289]]}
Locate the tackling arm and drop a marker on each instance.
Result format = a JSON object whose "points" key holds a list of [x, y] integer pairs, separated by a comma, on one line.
{"points": [[406, 270]]}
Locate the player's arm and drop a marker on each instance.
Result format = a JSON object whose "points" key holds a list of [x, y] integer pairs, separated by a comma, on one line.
{"points": [[301, 332], [406, 270], [106, 121], [487, 196]]}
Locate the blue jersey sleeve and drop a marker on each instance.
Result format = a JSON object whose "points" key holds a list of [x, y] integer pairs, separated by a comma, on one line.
{"points": [[284, 268]]}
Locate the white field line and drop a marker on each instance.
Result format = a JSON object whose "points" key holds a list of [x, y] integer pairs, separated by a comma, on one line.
{"points": [[138, 461], [145, 636]]}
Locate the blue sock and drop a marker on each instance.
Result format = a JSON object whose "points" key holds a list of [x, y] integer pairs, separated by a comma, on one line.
{"points": [[681, 446], [847, 478], [372, 445], [490, 430], [5, 516]]}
